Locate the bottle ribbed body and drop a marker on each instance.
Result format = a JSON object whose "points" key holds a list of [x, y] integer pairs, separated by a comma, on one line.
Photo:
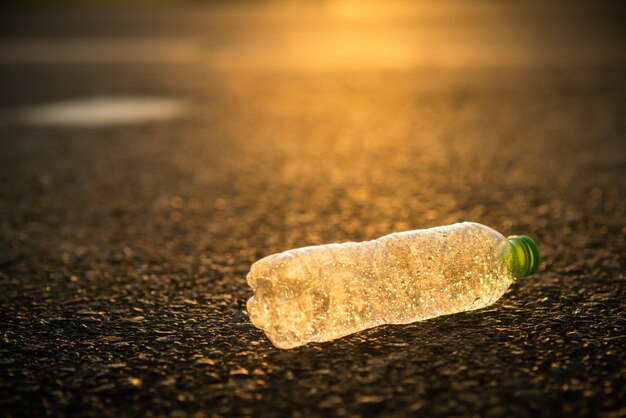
{"points": [[324, 292]]}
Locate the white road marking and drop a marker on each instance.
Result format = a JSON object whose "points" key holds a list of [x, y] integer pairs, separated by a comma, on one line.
{"points": [[103, 111]]}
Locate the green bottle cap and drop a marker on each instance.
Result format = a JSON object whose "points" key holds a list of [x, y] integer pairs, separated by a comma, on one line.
{"points": [[524, 257]]}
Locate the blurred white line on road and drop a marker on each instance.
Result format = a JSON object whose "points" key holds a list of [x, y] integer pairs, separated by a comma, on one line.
{"points": [[103, 111]]}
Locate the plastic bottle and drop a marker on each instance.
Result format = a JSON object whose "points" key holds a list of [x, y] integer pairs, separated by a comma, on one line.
{"points": [[324, 292]]}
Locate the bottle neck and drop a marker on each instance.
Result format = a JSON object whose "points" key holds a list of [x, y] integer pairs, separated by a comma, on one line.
{"points": [[523, 256]]}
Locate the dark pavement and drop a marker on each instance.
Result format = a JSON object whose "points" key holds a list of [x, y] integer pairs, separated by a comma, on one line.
{"points": [[124, 248]]}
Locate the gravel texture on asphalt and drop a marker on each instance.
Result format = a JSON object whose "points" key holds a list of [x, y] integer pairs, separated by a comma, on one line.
{"points": [[124, 250]]}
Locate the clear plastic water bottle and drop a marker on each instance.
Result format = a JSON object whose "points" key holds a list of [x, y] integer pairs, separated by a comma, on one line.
{"points": [[324, 292]]}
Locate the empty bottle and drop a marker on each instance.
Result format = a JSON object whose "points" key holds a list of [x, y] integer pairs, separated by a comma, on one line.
{"points": [[324, 292]]}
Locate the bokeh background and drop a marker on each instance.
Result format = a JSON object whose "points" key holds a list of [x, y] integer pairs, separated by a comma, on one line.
{"points": [[150, 152]]}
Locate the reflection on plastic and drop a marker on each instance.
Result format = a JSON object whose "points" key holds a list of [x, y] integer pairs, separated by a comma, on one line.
{"points": [[328, 291]]}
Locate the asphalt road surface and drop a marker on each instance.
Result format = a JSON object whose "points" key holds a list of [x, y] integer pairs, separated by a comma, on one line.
{"points": [[150, 154]]}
